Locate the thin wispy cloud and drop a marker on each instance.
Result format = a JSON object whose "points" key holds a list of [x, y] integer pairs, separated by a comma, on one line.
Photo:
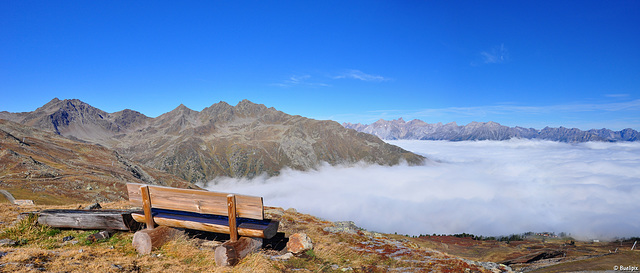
{"points": [[496, 55], [305, 80], [300, 80], [479, 111], [509, 109], [359, 75], [617, 95]]}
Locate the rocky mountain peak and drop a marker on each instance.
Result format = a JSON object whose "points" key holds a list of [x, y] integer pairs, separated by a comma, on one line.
{"points": [[128, 119], [248, 108], [490, 130], [181, 110], [75, 118], [51, 103], [218, 112], [65, 116], [416, 121]]}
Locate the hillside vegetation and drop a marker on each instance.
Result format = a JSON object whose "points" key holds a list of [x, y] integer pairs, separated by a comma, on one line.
{"points": [[40, 248], [51, 169]]}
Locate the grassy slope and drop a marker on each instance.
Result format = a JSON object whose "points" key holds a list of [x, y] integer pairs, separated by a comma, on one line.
{"points": [[578, 257], [42, 248], [607, 262], [50, 169]]}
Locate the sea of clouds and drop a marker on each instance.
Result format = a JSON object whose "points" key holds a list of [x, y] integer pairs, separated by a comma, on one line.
{"points": [[590, 190]]}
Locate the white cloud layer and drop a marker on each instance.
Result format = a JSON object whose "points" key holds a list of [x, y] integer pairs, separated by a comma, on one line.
{"points": [[591, 190]]}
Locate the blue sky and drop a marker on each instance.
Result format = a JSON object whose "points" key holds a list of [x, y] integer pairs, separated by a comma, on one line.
{"points": [[526, 63]]}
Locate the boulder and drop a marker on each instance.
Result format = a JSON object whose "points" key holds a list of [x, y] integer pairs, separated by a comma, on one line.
{"points": [[299, 243], [8, 242], [283, 257], [102, 235], [343, 227], [93, 206]]}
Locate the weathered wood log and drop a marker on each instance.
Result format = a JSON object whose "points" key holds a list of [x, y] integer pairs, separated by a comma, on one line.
{"points": [[19, 202], [89, 219], [23, 202], [230, 253], [9, 196], [144, 241], [529, 258]]}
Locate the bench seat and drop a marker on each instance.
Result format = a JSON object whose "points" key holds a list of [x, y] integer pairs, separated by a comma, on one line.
{"points": [[209, 222]]}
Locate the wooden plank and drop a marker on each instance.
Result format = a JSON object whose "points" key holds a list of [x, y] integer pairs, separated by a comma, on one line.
{"points": [[88, 219], [233, 228], [266, 232], [198, 201], [146, 206], [244, 229]]}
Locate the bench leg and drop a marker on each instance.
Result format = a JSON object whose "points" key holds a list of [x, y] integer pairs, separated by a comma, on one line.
{"points": [[233, 228], [144, 241], [146, 206]]}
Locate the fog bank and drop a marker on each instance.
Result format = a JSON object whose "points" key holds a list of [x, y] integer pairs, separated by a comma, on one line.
{"points": [[590, 190]]}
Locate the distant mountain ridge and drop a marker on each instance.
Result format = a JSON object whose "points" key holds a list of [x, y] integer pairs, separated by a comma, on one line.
{"points": [[418, 129], [245, 140], [77, 119]]}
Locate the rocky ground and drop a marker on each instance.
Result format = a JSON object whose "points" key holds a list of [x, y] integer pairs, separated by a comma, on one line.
{"points": [[336, 247]]}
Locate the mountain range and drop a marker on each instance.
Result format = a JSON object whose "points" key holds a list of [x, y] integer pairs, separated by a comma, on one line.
{"points": [[418, 129], [245, 140]]}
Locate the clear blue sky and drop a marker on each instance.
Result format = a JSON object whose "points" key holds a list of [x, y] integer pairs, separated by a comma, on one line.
{"points": [[527, 63]]}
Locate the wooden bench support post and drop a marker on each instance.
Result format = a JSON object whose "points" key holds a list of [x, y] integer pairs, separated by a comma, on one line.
{"points": [[144, 241], [230, 253], [233, 228], [146, 206]]}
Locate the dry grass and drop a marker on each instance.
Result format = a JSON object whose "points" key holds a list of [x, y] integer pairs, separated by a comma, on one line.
{"points": [[42, 249], [606, 262]]}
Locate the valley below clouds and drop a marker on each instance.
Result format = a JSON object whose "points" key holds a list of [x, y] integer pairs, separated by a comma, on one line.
{"points": [[590, 190]]}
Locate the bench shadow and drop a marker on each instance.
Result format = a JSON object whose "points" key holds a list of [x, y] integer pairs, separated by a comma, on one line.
{"points": [[277, 242]]}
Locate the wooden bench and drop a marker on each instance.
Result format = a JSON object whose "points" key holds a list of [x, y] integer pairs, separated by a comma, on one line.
{"points": [[237, 215]]}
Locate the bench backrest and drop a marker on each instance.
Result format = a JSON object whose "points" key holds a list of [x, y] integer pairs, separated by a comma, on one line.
{"points": [[198, 201]]}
